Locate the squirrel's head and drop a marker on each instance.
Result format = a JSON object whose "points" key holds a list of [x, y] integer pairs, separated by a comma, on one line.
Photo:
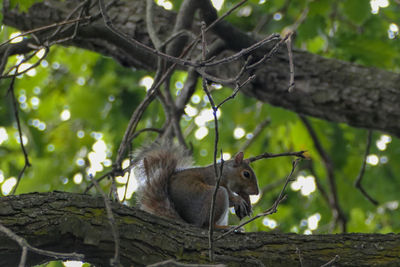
{"points": [[240, 176]]}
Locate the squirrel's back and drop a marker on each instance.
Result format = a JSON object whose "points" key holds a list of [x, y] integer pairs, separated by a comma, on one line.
{"points": [[154, 164]]}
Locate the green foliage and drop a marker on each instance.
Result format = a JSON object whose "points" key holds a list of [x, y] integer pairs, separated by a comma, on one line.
{"points": [[78, 101], [23, 5], [357, 11]]}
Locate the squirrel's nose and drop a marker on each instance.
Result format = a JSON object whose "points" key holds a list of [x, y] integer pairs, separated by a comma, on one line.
{"points": [[254, 191]]}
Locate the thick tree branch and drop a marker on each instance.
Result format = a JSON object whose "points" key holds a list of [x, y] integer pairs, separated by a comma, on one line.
{"points": [[67, 222], [325, 88]]}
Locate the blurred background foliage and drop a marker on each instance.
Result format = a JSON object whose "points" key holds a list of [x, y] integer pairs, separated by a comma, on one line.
{"points": [[75, 106]]}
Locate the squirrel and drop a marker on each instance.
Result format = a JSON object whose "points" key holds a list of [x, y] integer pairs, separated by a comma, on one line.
{"points": [[169, 186]]}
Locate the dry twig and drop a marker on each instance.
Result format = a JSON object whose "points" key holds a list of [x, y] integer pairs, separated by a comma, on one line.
{"points": [[329, 263], [357, 183], [21, 140], [337, 211]]}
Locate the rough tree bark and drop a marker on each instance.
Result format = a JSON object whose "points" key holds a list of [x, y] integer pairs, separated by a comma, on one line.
{"points": [[68, 222], [326, 88]]}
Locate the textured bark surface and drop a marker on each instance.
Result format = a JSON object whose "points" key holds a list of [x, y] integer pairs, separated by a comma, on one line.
{"points": [[325, 88], [67, 222]]}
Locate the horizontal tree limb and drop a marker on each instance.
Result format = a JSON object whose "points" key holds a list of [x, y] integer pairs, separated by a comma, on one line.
{"points": [[325, 88], [69, 222]]}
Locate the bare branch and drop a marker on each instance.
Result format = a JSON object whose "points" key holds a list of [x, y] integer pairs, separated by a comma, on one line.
{"points": [[320, 188], [338, 213], [329, 263], [236, 91], [150, 26], [360, 176], [271, 53], [21, 140], [159, 131], [266, 155], [7, 75], [291, 65], [57, 24], [217, 175]]}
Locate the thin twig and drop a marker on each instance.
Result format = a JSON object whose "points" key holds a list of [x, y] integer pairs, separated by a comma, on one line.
{"points": [[212, 212], [21, 141], [337, 211], [111, 221], [291, 65], [177, 35], [320, 188], [217, 175], [46, 49], [227, 13], [107, 174], [57, 24], [236, 90], [135, 118], [174, 114], [84, 7], [215, 79], [266, 19], [246, 51], [82, 4], [332, 261], [360, 176], [266, 155], [24, 254], [150, 26], [128, 179], [160, 131], [271, 53], [269, 211]]}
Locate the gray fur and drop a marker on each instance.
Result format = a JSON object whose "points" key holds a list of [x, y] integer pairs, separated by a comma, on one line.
{"points": [[154, 164]]}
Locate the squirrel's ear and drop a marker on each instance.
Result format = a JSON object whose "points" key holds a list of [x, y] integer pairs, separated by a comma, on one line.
{"points": [[239, 158]]}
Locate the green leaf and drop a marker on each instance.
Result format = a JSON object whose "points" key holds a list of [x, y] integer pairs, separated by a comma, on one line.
{"points": [[23, 5], [311, 27], [356, 10], [321, 7]]}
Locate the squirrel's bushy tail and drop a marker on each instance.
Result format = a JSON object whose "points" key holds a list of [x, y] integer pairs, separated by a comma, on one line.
{"points": [[154, 165]]}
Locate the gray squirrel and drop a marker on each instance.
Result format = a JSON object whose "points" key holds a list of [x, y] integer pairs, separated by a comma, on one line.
{"points": [[170, 187]]}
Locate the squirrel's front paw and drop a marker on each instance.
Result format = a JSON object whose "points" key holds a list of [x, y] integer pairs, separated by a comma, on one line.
{"points": [[242, 208]]}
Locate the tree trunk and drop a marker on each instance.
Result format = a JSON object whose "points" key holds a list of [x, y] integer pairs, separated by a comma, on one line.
{"points": [[68, 222], [326, 88]]}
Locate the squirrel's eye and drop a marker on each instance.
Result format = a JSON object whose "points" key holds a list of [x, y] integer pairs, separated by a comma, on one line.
{"points": [[246, 174]]}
